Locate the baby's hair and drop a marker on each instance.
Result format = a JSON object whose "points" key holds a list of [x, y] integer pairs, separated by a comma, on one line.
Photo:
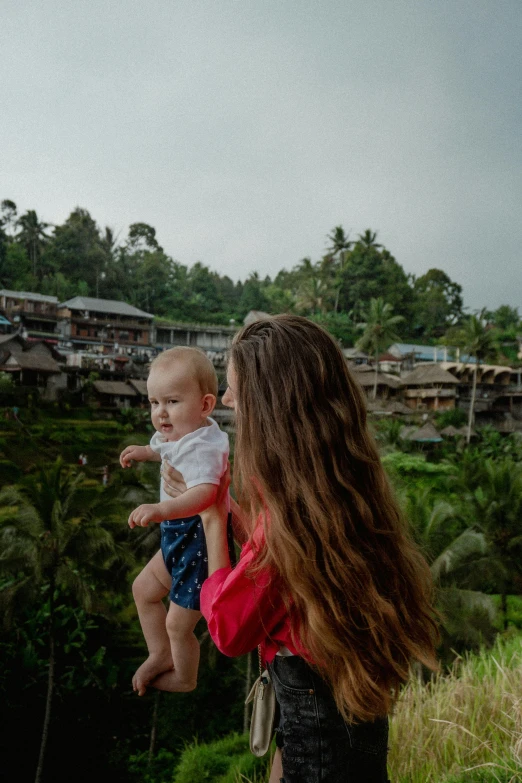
{"points": [[201, 365]]}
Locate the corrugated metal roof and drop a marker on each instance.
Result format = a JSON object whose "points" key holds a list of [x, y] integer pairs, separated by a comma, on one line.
{"points": [[112, 306], [29, 295], [427, 353]]}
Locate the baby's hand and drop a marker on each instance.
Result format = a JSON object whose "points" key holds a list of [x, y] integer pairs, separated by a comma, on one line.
{"points": [[141, 516], [137, 453]]}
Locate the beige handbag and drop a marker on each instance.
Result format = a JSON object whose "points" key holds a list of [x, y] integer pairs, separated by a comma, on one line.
{"points": [[263, 712]]}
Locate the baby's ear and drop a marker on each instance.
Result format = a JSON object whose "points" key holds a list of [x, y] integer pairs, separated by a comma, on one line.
{"points": [[208, 404]]}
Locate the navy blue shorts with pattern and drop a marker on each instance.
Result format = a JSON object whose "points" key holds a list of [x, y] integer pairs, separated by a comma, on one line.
{"points": [[185, 556]]}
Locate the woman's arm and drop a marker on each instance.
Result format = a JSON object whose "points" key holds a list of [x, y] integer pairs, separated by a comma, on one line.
{"points": [[215, 519]]}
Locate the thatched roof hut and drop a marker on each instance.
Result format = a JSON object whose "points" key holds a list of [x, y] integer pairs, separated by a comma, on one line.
{"points": [[428, 375], [450, 431], [367, 379], [464, 431], [426, 434]]}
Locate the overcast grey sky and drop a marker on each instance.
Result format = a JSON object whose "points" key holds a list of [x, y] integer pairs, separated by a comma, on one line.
{"points": [[245, 131]]}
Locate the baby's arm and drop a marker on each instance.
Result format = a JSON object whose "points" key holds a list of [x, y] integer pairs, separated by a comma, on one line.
{"points": [[139, 454], [188, 504]]}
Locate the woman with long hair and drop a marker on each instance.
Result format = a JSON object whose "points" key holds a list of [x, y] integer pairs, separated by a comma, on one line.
{"points": [[329, 582]]}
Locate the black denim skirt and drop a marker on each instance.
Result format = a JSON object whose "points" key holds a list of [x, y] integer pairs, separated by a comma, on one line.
{"points": [[317, 745]]}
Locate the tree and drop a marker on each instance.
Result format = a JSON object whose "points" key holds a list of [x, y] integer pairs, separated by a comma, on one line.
{"points": [[9, 211], [311, 290], [16, 268], [52, 535], [370, 271], [379, 331], [437, 303], [32, 237], [253, 295], [504, 317], [78, 251], [495, 508], [453, 550], [340, 244], [478, 341], [142, 237], [367, 240]]}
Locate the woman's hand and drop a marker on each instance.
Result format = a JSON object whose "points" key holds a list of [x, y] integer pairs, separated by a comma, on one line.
{"points": [[173, 482]]}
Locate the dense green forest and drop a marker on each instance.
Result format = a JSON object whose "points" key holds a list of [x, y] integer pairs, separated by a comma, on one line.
{"points": [[78, 258]]}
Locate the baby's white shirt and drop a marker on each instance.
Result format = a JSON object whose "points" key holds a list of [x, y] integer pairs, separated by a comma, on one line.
{"points": [[200, 456]]}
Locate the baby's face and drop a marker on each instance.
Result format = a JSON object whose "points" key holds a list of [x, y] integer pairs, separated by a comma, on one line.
{"points": [[176, 401]]}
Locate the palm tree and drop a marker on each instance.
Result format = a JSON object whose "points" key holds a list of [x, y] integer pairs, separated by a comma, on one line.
{"points": [[51, 534], [467, 613], [312, 286], [340, 245], [32, 236], [379, 331], [478, 341], [367, 240], [495, 507]]}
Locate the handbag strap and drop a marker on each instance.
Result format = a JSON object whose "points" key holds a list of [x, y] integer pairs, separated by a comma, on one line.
{"points": [[260, 660]]}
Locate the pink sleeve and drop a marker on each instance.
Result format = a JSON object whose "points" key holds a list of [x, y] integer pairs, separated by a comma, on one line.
{"points": [[241, 611]]}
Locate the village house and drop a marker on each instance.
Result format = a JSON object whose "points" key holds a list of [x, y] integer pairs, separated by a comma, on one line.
{"points": [[36, 314], [411, 354], [354, 356], [214, 340], [32, 365], [114, 394], [498, 396], [388, 386], [105, 326], [430, 387], [140, 387], [389, 363]]}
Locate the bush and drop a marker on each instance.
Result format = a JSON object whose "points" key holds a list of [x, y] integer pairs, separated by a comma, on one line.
{"points": [[6, 383], [158, 770], [223, 761], [455, 418]]}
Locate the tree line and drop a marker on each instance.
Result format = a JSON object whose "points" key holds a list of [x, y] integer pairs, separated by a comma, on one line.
{"points": [[79, 258]]}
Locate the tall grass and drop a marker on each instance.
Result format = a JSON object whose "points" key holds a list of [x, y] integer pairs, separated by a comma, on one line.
{"points": [[463, 726]]}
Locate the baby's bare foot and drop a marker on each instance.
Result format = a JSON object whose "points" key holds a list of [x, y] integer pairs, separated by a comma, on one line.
{"points": [[149, 670], [171, 681]]}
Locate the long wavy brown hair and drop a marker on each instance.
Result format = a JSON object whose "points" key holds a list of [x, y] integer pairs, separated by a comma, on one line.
{"points": [[358, 589]]}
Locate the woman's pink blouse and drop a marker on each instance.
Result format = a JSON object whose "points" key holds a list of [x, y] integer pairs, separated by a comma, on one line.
{"points": [[243, 611]]}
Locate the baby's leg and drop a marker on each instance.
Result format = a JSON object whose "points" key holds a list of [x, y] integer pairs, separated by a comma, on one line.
{"points": [[184, 649], [149, 589]]}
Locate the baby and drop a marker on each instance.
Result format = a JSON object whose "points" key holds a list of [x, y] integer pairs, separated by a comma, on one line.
{"points": [[182, 388]]}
